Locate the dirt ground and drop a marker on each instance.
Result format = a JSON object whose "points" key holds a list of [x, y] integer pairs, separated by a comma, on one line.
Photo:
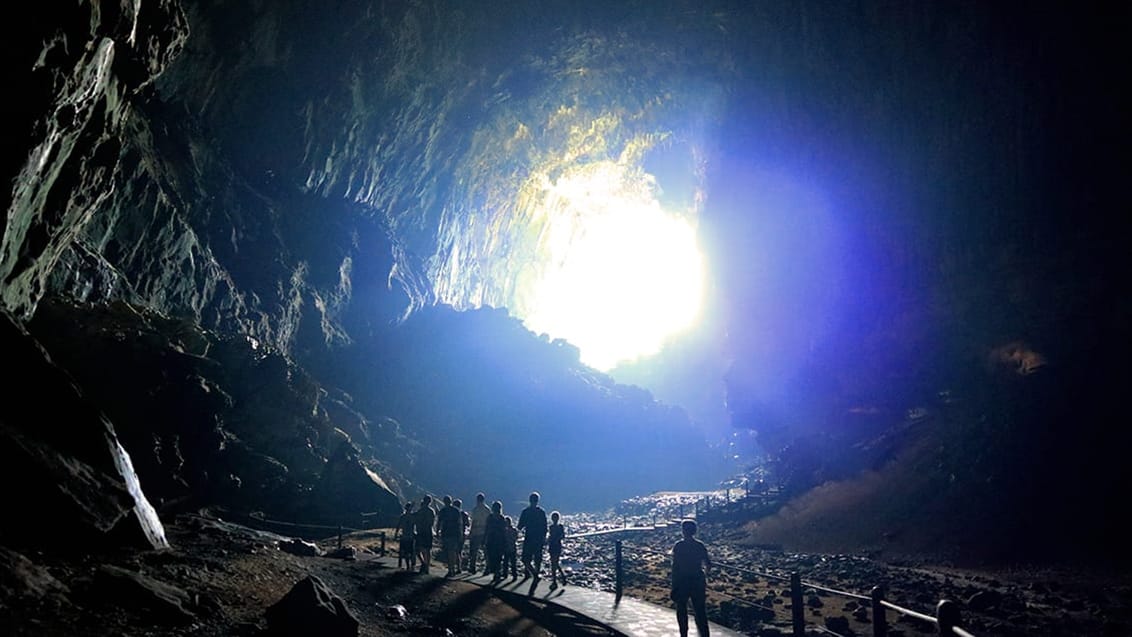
{"points": [[232, 575]]}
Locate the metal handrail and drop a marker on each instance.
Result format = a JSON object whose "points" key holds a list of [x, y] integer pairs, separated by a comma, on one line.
{"points": [[836, 592], [907, 611], [946, 618]]}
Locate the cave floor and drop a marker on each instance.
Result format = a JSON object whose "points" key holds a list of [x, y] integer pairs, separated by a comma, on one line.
{"points": [[233, 574]]}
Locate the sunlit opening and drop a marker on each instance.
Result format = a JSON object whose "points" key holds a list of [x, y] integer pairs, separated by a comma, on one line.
{"points": [[621, 273]]}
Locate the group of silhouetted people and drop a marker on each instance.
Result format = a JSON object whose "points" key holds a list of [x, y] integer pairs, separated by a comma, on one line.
{"points": [[487, 529], [484, 529]]}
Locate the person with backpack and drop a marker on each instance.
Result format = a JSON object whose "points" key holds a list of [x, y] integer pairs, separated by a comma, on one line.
{"points": [[406, 533]]}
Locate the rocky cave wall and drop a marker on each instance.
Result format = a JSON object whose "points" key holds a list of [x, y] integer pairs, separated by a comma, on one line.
{"points": [[161, 247]]}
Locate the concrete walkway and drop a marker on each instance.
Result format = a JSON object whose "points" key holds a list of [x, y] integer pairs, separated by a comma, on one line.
{"points": [[628, 616]]}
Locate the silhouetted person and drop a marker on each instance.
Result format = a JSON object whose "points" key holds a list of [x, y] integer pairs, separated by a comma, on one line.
{"points": [[479, 515], [450, 525], [533, 522], [495, 541], [406, 533], [465, 522], [690, 563], [556, 534], [509, 555], [426, 521]]}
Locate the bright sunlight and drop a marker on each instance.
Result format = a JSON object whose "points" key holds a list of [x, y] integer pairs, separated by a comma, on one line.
{"points": [[621, 274]]}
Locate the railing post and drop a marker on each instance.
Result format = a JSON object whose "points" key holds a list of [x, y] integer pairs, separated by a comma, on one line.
{"points": [[383, 543], [947, 616], [797, 609], [880, 621], [618, 569]]}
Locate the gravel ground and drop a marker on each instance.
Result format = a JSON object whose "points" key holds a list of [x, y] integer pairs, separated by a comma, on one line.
{"points": [[749, 590]]}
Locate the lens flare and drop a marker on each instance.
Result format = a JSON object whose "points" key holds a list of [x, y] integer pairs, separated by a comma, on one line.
{"points": [[619, 273]]}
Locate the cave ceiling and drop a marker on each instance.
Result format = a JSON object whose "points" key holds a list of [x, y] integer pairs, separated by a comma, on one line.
{"points": [[852, 170]]}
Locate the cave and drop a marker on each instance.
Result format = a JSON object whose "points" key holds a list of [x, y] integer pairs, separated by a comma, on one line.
{"points": [[309, 261]]}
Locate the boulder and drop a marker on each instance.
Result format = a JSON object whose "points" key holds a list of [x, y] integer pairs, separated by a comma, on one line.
{"points": [[295, 546], [311, 608], [348, 553]]}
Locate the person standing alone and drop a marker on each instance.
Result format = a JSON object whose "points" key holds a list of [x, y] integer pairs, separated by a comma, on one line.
{"points": [[690, 563]]}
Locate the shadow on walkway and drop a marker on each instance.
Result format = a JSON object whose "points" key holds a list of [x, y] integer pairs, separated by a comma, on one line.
{"points": [[625, 616]]}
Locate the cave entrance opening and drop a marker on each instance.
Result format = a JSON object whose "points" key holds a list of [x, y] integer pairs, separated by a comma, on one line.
{"points": [[620, 273]]}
